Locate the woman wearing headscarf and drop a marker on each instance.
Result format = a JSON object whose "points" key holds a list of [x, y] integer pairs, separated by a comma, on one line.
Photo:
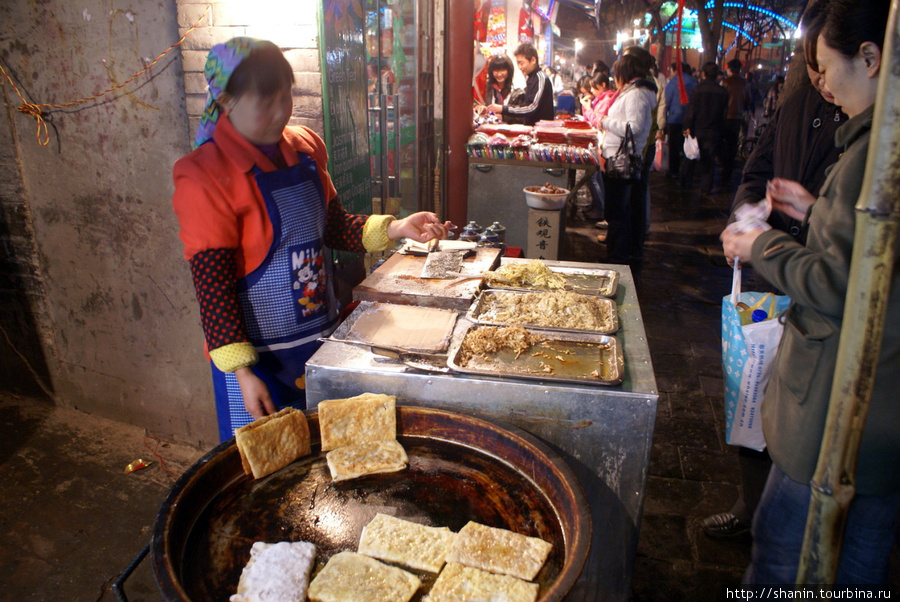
{"points": [[258, 215]]}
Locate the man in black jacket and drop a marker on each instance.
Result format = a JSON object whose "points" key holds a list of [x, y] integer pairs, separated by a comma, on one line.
{"points": [[704, 118], [537, 103]]}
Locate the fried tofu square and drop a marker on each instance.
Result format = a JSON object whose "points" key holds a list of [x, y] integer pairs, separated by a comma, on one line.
{"points": [[458, 583], [361, 419], [499, 551], [374, 457], [404, 542], [352, 576], [272, 442]]}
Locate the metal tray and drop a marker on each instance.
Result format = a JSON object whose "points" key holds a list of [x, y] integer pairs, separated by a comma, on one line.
{"points": [[602, 283], [479, 307], [573, 358], [461, 468], [346, 332]]}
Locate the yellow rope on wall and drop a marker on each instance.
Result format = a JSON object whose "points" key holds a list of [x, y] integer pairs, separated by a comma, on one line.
{"points": [[34, 109]]}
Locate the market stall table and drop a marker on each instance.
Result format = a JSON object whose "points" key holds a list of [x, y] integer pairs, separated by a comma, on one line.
{"points": [[604, 433]]}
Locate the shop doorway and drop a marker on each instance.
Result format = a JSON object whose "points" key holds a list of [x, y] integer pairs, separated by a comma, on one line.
{"points": [[399, 41]]}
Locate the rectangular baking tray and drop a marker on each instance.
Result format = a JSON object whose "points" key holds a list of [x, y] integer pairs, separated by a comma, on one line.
{"points": [[599, 282], [347, 331], [480, 305], [572, 358]]}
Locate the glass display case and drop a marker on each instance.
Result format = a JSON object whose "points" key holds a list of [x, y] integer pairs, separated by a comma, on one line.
{"points": [[400, 125]]}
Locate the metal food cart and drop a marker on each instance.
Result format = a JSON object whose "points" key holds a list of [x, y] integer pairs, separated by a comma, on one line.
{"points": [[604, 433]]}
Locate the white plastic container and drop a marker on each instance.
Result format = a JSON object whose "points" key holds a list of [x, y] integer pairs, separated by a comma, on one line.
{"points": [[544, 200]]}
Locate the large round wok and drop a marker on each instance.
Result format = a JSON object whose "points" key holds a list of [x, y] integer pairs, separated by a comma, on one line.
{"points": [[461, 468]]}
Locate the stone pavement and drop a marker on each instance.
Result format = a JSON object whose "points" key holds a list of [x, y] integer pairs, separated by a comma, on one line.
{"points": [[71, 520]]}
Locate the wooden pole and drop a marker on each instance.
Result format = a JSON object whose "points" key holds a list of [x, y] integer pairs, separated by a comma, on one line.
{"points": [[868, 289]]}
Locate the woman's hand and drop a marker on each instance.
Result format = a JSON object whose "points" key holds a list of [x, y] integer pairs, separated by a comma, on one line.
{"points": [[789, 197], [420, 227], [739, 246], [495, 109], [257, 398]]}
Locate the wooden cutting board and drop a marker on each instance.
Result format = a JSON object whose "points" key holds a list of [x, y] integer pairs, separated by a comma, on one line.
{"points": [[398, 280]]}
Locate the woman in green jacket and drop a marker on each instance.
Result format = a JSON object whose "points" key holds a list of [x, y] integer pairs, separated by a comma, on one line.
{"points": [[815, 276]]}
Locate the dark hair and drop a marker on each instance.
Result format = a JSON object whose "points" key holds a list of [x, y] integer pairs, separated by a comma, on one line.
{"points": [[812, 21], [627, 67], [584, 82], [526, 50], [645, 59], [599, 80], [499, 62], [265, 71], [849, 23], [600, 67], [710, 70], [735, 65]]}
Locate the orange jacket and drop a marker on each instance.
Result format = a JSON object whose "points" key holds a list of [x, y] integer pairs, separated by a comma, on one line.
{"points": [[216, 198]]}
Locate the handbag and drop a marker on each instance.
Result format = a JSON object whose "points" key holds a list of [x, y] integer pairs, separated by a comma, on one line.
{"points": [[626, 163], [748, 353], [691, 148]]}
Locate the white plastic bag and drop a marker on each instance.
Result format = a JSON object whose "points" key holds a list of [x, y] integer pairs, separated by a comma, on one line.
{"points": [[748, 353], [691, 148]]}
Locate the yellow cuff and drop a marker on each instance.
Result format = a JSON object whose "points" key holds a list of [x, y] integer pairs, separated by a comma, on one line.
{"points": [[374, 235], [236, 355]]}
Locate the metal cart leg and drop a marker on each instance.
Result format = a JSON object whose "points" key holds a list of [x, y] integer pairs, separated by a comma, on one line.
{"points": [[119, 583]]}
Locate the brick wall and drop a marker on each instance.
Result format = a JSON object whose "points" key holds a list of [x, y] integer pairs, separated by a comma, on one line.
{"points": [[292, 26]]}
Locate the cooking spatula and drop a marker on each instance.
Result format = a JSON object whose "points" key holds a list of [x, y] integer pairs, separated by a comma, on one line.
{"points": [[441, 264]]}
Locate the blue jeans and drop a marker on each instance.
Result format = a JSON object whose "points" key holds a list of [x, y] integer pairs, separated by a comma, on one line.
{"points": [[780, 521], [595, 185]]}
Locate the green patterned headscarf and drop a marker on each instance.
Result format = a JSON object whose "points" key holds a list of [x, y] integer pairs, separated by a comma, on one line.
{"points": [[223, 59]]}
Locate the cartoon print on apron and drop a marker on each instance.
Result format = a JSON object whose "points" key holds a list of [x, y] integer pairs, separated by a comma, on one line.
{"points": [[288, 301]]}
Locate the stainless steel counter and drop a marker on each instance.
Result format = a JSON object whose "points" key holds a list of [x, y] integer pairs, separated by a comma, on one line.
{"points": [[604, 433]]}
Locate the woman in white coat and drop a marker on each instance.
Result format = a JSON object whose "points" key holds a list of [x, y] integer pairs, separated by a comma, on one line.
{"points": [[633, 105]]}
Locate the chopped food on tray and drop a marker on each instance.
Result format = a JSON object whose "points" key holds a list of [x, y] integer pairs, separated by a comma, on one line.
{"points": [[360, 459], [272, 442], [499, 551], [276, 572], [352, 576], [533, 273], [547, 188], [556, 309], [404, 542], [483, 341], [457, 582]]}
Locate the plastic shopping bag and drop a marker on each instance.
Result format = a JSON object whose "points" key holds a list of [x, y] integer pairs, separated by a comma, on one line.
{"points": [[661, 158], [748, 352], [691, 148]]}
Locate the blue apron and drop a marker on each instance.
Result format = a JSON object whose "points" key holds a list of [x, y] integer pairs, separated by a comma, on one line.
{"points": [[288, 302]]}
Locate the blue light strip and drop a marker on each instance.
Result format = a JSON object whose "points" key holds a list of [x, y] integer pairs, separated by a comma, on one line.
{"points": [[758, 9], [671, 23]]}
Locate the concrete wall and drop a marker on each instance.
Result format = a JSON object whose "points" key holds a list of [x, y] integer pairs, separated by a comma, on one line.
{"points": [[87, 218]]}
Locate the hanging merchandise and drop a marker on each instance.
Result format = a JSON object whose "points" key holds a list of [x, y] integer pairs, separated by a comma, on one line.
{"points": [[526, 24], [481, 18], [497, 24]]}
